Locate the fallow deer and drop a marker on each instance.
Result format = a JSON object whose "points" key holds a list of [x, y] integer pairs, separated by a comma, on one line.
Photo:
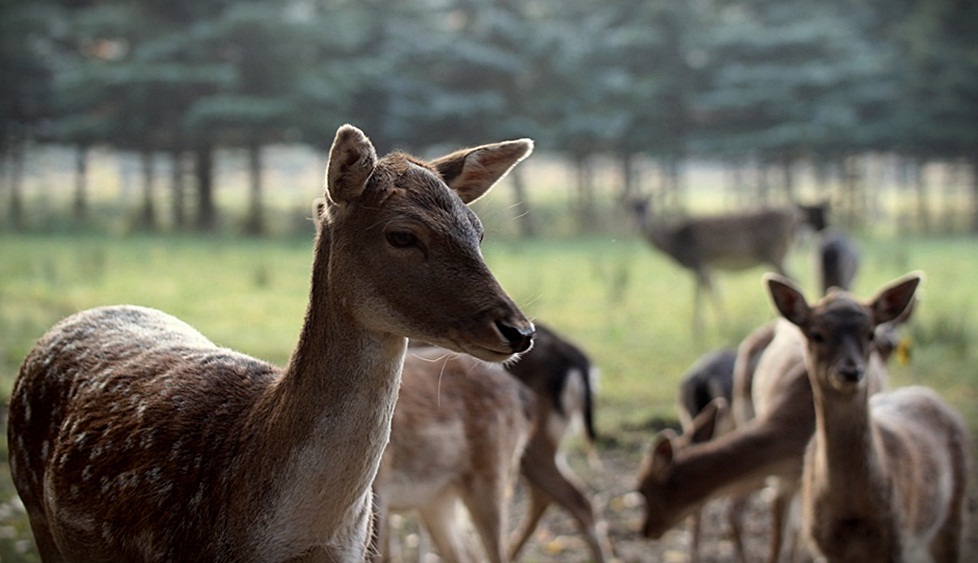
{"points": [[837, 262], [132, 437], [459, 429], [885, 476], [731, 241]]}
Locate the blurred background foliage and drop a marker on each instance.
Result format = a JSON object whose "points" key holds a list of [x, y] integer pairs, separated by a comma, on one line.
{"points": [[769, 89]]}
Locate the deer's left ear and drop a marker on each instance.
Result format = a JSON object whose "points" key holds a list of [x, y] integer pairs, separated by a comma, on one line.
{"points": [[788, 299], [471, 172], [894, 299]]}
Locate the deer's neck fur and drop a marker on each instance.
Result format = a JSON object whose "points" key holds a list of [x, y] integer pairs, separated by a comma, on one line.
{"points": [[656, 233], [847, 473], [359, 371]]}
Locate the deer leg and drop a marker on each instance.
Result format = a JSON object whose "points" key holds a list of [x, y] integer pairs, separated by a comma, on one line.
{"points": [[544, 473], [735, 518], [440, 517], [539, 502], [485, 500], [695, 526]]}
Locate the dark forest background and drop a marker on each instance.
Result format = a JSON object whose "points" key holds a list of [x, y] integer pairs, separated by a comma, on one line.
{"points": [[764, 88]]}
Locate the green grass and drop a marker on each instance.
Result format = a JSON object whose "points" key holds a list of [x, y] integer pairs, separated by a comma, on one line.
{"points": [[627, 305]]}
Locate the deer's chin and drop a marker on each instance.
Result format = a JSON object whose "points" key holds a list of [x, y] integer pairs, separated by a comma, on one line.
{"points": [[488, 354]]}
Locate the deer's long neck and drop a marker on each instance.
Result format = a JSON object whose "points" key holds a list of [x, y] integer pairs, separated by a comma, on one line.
{"points": [[655, 233], [329, 414], [846, 465]]}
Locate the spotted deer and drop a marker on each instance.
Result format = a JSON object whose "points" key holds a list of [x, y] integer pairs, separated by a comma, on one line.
{"points": [[132, 437], [459, 429], [885, 475]]}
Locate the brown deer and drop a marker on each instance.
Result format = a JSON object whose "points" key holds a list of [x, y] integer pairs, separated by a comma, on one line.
{"points": [[885, 476], [838, 260], [560, 375], [132, 437], [459, 428], [774, 420], [731, 241]]}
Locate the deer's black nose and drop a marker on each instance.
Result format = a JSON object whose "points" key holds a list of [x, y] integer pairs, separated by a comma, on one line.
{"points": [[520, 338], [851, 373]]}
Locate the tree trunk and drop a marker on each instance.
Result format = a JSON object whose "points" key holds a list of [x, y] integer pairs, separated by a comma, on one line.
{"points": [[524, 219], [585, 194], [254, 224], [146, 219], [788, 177], [79, 208], [920, 188], [16, 213], [974, 196], [178, 190], [204, 172]]}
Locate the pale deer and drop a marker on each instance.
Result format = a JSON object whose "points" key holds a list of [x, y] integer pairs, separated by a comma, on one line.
{"points": [[731, 241], [885, 475], [561, 377], [132, 437], [459, 429]]}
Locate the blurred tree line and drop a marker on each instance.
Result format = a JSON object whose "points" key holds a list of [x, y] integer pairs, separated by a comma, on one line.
{"points": [[763, 85]]}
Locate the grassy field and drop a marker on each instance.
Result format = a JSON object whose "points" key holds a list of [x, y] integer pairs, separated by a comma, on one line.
{"points": [[627, 305]]}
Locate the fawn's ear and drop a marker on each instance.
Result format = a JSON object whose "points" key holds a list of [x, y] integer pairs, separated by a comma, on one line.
{"points": [[661, 453], [893, 300], [705, 424], [352, 159], [471, 172], [788, 299]]}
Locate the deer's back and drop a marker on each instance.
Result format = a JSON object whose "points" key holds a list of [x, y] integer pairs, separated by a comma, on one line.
{"points": [[740, 240], [113, 422]]}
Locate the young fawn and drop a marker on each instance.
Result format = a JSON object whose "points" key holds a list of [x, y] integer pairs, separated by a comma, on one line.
{"points": [[885, 474], [134, 438]]}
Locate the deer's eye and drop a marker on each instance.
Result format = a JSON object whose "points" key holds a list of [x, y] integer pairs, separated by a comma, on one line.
{"points": [[817, 337], [401, 239]]}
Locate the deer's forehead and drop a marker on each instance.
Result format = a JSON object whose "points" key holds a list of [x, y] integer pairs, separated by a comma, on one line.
{"points": [[841, 314]]}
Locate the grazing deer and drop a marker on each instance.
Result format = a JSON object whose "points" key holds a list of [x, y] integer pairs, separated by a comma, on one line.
{"points": [[560, 375], [885, 475], [132, 437], [733, 241], [681, 473], [459, 428]]}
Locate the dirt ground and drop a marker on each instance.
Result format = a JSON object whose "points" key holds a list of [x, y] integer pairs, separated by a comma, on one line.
{"points": [[557, 540]]}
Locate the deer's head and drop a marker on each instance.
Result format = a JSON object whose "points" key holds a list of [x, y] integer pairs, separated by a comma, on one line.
{"points": [[405, 246], [840, 330], [658, 475]]}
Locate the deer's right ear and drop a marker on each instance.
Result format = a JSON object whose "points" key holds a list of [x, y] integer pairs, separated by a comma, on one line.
{"points": [[352, 160], [788, 299]]}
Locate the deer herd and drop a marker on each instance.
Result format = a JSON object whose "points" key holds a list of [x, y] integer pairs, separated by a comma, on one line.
{"points": [[418, 385]]}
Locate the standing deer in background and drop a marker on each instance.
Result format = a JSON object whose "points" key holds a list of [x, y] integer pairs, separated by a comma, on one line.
{"points": [[561, 377], [837, 262], [132, 437], [459, 428], [885, 476], [733, 241]]}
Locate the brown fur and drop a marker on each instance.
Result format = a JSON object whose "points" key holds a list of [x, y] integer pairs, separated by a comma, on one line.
{"points": [[134, 438], [459, 428], [885, 475], [733, 241]]}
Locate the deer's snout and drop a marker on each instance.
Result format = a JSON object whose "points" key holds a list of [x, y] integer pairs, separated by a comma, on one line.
{"points": [[519, 338], [850, 372]]}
